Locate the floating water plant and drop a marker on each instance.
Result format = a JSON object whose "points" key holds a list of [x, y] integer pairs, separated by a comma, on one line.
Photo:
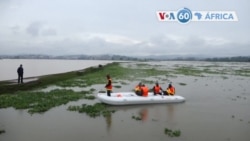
{"points": [[182, 84], [224, 77], [117, 86], [124, 83], [95, 110], [136, 117], [38, 102], [102, 91], [90, 97], [171, 133], [2, 131]]}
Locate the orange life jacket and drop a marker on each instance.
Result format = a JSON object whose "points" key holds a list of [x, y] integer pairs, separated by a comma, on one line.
{"points": [[137, 88], [171, 90], [144, 91], [109, 87], [157, 89]]}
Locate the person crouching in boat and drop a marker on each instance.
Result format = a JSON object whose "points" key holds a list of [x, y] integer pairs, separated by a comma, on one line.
{"points": [[109, 85], [157, 89], [144, 90], [138, 89], [170, 90]]}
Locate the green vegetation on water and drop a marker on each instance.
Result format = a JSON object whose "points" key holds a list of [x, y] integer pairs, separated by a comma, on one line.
{"points": [[243, 72], [171, 133], [95, 110], [182, 84], [136, 117], [2, 131], [38, 102]]}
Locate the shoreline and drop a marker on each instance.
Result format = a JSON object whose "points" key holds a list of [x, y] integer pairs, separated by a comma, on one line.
{"points": [[10, 86], [37, 68]]}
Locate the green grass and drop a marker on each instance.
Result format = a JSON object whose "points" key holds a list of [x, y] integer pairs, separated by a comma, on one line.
{"points": [[117, 72]]}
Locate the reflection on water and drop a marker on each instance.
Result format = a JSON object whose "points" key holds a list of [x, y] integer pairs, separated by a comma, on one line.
{"points": [[108, 118], [144, 114], [170, 111]]}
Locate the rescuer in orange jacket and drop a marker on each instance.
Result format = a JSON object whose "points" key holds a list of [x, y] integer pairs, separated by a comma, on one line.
{"points": [[144, 90], [170, 90], [138, 89], [109, 85], [157, 89]]}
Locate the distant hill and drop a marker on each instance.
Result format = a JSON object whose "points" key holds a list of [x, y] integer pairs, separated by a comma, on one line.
{"points": [[71, 57]]}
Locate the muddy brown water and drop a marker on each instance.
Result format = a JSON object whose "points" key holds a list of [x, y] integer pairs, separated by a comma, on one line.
{"points": [[215, 109]]}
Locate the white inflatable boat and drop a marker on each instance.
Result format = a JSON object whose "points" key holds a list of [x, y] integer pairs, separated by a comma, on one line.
{"points": [[130, 98]]}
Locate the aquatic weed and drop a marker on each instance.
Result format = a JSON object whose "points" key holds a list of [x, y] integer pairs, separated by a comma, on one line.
{"points": [[90, 97], [136, 117], [38, 102], [117, 86], [2, 131], [171, 133], [123, 83], [95, 110], [182, 84]]}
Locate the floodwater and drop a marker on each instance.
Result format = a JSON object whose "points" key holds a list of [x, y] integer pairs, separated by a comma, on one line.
{"points": [[38, 67], [216, 109]]}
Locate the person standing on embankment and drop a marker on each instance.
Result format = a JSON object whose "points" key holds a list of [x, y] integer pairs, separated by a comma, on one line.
{"points": [[20, 74]]}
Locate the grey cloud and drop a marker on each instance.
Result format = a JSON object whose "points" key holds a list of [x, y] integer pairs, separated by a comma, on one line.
{"points": [[15, 29], [155, 46], [49, 32], [34, 28], [39, 29]]}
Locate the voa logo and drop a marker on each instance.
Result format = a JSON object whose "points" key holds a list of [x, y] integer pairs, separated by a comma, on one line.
{"points": [[166, 16], [183, 15]]}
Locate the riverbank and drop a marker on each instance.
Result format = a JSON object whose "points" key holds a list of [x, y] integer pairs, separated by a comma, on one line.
{"points": [[31, 83]]}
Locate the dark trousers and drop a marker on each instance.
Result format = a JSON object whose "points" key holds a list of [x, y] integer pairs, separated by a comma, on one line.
{"points": [[138, 93], [109, 92], [20, 78], [165, 93], [158, 93]]}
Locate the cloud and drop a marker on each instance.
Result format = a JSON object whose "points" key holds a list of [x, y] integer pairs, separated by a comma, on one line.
{"points": [[34, 28], [49, 32], [40, 29], [15, 29], [101, 43], [126, 28]]}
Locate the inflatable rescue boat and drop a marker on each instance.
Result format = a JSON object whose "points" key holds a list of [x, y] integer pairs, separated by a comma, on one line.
{"points": [[130, 98]]}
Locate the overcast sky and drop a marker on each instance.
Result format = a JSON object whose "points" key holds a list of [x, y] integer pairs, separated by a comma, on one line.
{"points": [[123, 27]]}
